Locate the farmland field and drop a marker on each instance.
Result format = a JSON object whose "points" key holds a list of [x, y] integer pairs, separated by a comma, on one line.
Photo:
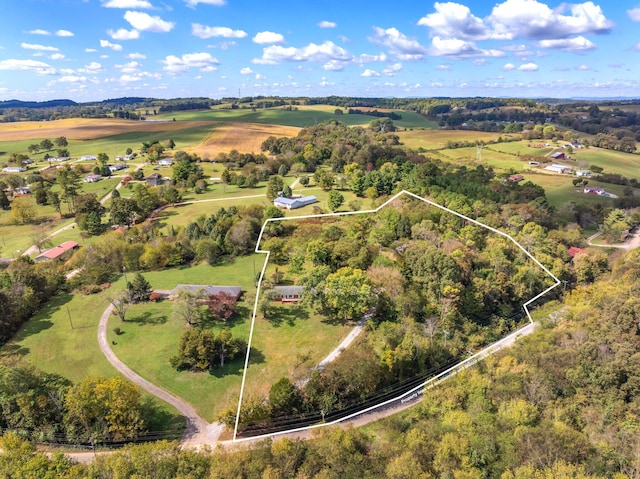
{"points": [[436, 139]]}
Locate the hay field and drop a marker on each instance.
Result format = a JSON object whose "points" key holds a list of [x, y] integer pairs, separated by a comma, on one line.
{"points": [[437, 139], [87, 128], [243, 137]]}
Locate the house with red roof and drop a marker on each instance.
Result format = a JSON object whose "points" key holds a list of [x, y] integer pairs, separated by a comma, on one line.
{"points": [[57, 251]]}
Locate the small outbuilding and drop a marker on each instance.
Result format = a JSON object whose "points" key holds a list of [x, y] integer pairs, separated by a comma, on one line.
{"points": [[92, 178], [208, 290], [288, 294], [165, 162], [154, 179], [57, 252]]}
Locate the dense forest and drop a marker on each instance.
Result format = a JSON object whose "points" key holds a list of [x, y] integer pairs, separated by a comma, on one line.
{"points": [[562, 403]]}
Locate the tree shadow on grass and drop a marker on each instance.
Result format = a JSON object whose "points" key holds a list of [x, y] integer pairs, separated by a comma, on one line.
{"points": [[236, 367], [161, 420], [12, 350], [42, 320], [148, 318], [287, 314]]}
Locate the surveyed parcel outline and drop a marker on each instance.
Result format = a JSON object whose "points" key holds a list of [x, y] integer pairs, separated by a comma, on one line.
{"points": [[418, 390]]}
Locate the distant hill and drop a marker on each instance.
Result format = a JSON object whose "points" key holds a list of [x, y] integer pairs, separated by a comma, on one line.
{"points": [[36, 104], [127, 100]]}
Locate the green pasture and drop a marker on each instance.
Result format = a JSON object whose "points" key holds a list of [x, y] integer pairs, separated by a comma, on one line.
{"points": [[625, 164], [559, 190], [435, 139], [519, 148], [302, 117], [150, 328]]}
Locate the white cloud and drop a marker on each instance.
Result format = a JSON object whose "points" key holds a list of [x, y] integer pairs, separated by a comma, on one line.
{"points": [[71, 79], [259, 76], [532, 19], [455, 21], [41, 48], [508, 67], [400, 45], [366, 58], [327, 24], [137, 56], [636, 47], [528, 67], [38, 67], [324, 52], [107, 44], [267, 37], [57, 56], [584, 68], [246, 71], [93, 67], [126, 4], [455, 47], [39, 31], [369, 73], [392, 69], [334, 66], [634, 14], [203, 61], [194, 3], [64, 33], [575, 44], [146, 23], [130, 67], [443, 67], [124, 34], [479, 62], [90, 50], [203, 31]]}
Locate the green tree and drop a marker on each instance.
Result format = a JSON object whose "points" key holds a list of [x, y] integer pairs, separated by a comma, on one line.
{"points": [[120, 300], [46, 145], [123, 211], [286, 191], [4, 201], [187, 305], [103, 410], [274, 187], [139, 289], [284, 398], [348, 293], [23, 210], [69, 181], [61, 142], [172, 195], [335, 200]]}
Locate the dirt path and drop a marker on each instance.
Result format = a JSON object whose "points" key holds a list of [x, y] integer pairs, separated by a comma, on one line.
{"points": [[355, 332], [198, 430], [632, 242]]}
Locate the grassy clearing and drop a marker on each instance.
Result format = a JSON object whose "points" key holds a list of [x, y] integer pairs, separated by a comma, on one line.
{"points": [[437, 139], [625, 164], [521, 148], [151, 329], [560, 190]]}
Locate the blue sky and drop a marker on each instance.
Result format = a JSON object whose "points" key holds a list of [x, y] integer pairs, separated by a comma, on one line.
{"points": [[89, 50]]}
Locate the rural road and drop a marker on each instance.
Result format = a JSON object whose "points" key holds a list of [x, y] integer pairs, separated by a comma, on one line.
{"points": [[632, 242]]}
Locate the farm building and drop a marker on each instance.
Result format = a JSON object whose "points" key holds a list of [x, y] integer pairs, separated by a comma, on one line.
{"points": [[88, 158], [13, 169], [558, 168], [288, 294], [207, 290], [558, 155], [117, 167], [583, 173], [154, 179], [293, 203], [124, 157], [58, 159], [92, 178], [594, 190], [165, 162], [57, 251], [22, 190]]}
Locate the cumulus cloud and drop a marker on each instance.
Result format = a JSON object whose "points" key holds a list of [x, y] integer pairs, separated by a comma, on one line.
{"points": [[323, 53], [400, 45], [575, 44], [71, 79], [41, 48], [246, 71], [392, 69], [38, 67], [203, 31], [39, 31], [508, 67], [327, 24], [130, 67], [126, 4], [334, 66], [203, 61], [124, 34], [57, 56], [194, 3], [369, 73], [267, 37], [584, 68], [137, 56], [366, 58], [107, 44], [454, 20], [443, 67], [93, 67], [90, 50], [64, 33], [528, 67], [146, 23], [634, 14], [455, 47], [532, 19]]}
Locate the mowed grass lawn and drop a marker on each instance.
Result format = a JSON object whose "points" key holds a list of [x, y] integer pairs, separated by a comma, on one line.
{"points": [[625, 164], [559, 190], [437, 139], [151, 335]]}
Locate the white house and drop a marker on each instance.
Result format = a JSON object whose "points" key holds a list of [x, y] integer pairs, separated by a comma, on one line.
{"points": [[92, 178], [594, 190], [88, 158], [58, 159], [13, 169], [583, 173], [117, 167], [558, 168], [293, 203], [165, 162]]}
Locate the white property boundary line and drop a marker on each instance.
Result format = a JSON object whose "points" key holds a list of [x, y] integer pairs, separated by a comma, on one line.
{"points": [[419, 389]]}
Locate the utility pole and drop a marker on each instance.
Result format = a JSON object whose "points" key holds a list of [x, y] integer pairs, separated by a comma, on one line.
{"points": [[69, 314]]}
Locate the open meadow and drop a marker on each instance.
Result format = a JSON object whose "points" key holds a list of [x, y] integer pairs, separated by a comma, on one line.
{"points": [[435, 139]]}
